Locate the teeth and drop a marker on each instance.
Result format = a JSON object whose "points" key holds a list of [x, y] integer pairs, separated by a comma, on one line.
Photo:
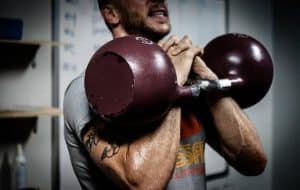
{"points": [[158, 13]]}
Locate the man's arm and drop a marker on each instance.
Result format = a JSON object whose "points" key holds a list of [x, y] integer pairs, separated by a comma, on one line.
{"points": [[235, 137], [144, 163], [232, 134]]}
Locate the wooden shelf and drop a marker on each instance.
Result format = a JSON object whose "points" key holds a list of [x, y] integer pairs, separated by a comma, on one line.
{"points": [[16, 55], [33, 42], [19, 53], [16, 124], [26, 112]]}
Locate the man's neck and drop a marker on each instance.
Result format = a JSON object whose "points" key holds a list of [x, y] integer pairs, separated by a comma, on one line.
{"points": [[119, 32]]}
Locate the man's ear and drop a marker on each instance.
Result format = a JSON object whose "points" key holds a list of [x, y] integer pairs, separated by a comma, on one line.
{"points": [[110, 15]]}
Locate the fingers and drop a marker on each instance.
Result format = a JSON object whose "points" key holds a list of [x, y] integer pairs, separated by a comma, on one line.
{"points": [[193, 51], [174, 46], [200, 68], [183, 45], [183, 63], [186, 57], [171, 41]]}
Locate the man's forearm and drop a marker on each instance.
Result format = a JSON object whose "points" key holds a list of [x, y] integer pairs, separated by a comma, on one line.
{"points": [[144, 163], [239, 141], [154, 156]]}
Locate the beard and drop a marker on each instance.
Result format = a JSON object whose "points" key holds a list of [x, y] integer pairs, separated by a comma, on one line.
{"points": [[135, 24]]}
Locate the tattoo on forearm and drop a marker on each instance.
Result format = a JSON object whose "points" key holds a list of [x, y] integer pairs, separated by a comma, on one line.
{"points": [[110, 151], [92, 140]]}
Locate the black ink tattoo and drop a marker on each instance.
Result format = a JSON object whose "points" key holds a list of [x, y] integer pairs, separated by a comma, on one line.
{"points": [[110, 151], [92, 140]]}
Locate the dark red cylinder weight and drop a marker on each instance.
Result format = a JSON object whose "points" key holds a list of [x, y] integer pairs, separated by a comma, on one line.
{"points": [[130, 80], [239, 56]]}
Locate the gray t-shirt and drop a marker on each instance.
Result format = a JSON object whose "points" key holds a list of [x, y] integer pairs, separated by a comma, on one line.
{"points": [[189, 173]]}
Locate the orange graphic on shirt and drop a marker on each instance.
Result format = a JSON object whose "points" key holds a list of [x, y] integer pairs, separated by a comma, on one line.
{"points": [[190, 154], [190, 125], [193, 153]]}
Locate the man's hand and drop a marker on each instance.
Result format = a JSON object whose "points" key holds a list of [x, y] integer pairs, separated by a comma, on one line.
{"points": [[182, 54], [200, 68]]}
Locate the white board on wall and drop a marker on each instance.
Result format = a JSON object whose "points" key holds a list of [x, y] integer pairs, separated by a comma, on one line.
{"points": [[82, 26]]}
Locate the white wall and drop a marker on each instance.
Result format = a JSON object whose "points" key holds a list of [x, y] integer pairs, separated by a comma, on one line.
{"points": [[255, 19], [31, 86]]}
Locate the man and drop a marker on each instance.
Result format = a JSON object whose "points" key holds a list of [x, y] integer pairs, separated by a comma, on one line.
{"points": [[171, 154]]}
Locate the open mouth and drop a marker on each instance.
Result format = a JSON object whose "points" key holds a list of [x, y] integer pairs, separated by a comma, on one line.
{"points": [[158, 12]]}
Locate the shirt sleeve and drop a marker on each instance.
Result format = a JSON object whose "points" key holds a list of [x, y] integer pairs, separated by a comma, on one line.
{"points": [[77, 112]]}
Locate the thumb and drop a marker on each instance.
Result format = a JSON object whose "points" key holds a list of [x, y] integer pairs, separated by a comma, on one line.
{"points": [[200, 68]]}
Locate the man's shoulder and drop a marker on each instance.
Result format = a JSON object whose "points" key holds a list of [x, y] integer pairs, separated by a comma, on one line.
{"points": [[74, 94], [76, 84], [76, 107]]}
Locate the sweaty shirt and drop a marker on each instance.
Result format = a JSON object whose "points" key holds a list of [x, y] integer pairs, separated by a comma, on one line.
{"points": [[189, 173]]}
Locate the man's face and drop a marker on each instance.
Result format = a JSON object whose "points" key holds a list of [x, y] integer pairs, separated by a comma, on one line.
{"points": [[149, 18]]}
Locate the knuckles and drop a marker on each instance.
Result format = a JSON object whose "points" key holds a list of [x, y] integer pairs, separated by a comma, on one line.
{"points": [[174, 38]]}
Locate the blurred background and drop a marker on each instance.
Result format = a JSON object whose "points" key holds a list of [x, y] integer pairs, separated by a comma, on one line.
{"points": [[44, 44]]}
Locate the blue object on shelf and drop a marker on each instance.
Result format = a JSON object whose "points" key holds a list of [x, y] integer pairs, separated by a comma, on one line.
{"points": [[11, 28]]}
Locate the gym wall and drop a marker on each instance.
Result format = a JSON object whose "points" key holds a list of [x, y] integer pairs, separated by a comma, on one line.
{"points": [[286, 141], [30, 86]]}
